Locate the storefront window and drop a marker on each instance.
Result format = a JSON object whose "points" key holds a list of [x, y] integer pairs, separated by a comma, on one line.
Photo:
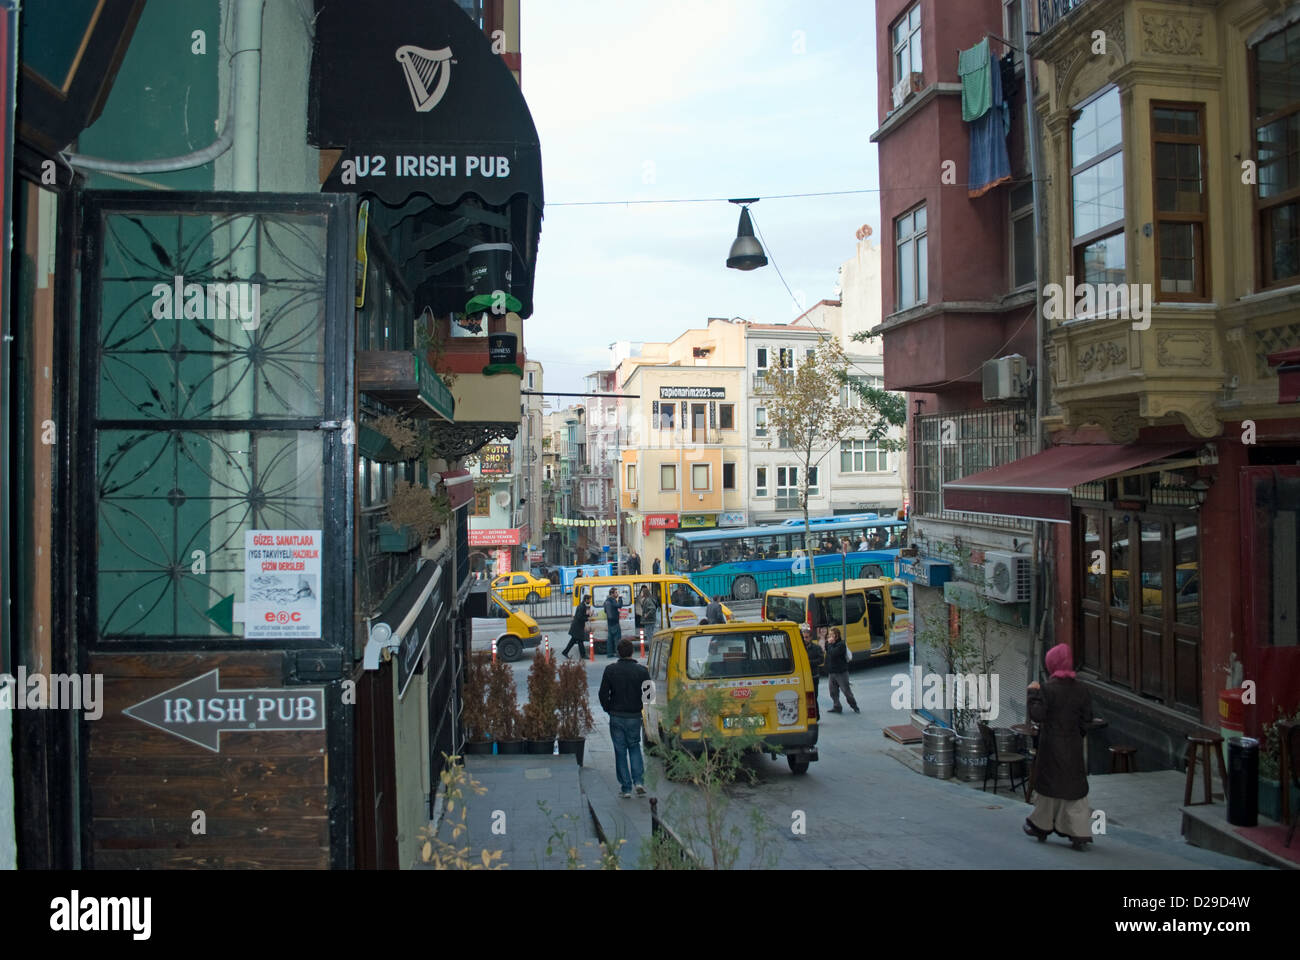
{"points": [[1094, 565], [1152, 585], [1119, 563], [1187, 574]]}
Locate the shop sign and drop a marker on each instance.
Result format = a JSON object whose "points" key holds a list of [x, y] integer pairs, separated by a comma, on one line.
{"points": [[495, 538], [659, 521], [494, 458], [733, 520], [695, 521], [692, 393]]}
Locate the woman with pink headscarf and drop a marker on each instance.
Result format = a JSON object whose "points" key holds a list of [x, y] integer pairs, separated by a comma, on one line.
{"points": [[1063, 708]]}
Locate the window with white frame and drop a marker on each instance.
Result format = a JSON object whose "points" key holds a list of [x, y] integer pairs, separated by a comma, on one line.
{"points": [[787, 488], [863, 456], [786, 358], [911, 250], [668, 476], [662, 415], [906, 37], [813, 489], [1097, 190], [701, 477], [760, 481], [1011, 23], [761, 360], [631, 476], [760, 421], [726, 416]]}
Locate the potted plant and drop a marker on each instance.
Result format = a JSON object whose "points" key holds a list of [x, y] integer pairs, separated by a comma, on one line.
{"points": [[574, 709], [1270, 760], [539, 716], [413, 515], [503, 708], [474, 711]]}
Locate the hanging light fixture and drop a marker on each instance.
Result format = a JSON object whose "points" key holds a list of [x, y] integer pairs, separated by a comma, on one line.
{"points": [[746, 251]]}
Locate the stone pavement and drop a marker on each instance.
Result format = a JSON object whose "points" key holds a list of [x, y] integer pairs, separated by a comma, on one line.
{"points": [[515, 787], [866, 805]]}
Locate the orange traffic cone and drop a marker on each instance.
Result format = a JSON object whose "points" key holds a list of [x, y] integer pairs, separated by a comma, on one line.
{"points": [[642, 632], [494, 651], [591, 638]]}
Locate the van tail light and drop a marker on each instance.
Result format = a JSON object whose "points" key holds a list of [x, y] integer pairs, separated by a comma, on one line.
{"points": [[762, 611], [810, 699]]}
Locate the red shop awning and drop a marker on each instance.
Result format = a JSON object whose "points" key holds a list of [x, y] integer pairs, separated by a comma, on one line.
{"points": [[1038, 487], [460, 487]]}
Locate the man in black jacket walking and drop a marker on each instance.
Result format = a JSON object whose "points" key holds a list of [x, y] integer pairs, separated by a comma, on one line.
{"points": [[578, 629], [815, 658], [621, 697], [837, 668]]}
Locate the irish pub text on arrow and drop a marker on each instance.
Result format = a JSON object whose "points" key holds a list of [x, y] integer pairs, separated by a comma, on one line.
{"points": [[199, 711]]}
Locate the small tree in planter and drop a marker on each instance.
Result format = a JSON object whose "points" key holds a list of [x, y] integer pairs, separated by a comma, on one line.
{"points": [[1270, 766], [574, 708], [539, 715], [503, 709], [475, 714]]}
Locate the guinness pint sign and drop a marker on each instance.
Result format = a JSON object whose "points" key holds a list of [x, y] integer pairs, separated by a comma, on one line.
{"points": [[503, 348]]}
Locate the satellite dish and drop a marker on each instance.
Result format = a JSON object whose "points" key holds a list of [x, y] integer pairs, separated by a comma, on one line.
{"points": [[503, 498]]}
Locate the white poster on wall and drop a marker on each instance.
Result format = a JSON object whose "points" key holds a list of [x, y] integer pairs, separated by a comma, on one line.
{"points": [[282, 584]]}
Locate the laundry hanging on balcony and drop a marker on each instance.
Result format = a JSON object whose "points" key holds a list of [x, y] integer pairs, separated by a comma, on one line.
{"points": [[989, 117]]}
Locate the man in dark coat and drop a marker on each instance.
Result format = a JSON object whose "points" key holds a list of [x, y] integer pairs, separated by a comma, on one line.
{"points": [[633, 563], [578, 630], [815, 657], [1063, 709], [621, 695], [657, 568], [837, 668], [613, 604]]}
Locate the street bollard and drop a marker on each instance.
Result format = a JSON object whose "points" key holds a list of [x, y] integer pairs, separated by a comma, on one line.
{"points": [[494, 651], [642, 633], [547, 640], [591, 639]]}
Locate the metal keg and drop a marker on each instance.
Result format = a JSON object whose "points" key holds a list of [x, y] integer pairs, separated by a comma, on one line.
{"points": [[1008, 741], [937, 752], [970, 757]]}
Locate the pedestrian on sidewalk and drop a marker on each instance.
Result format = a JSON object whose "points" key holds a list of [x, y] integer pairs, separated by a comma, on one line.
{"points": [[837, 668], [613, 604], [657, 568], [621, 698], [713, 613], [1063, 708], [633, 563], [649, 609], [815, 658], [578, 629]]}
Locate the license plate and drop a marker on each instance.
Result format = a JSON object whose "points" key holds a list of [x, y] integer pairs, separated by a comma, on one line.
{"points": [[752, 721]]}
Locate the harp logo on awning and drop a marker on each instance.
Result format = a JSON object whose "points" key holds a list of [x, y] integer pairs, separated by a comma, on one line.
{"points": [[427, 74]]}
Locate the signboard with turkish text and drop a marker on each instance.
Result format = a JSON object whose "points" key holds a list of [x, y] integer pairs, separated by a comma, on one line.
{"points": [[282, 584], [494, 458], [495, 538], [698, 520]]}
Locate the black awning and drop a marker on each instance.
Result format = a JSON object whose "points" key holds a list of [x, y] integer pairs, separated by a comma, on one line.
{"points": [[412, 93]]}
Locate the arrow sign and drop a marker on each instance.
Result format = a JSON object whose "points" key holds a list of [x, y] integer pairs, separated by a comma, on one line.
{"points": [[199, 710]]}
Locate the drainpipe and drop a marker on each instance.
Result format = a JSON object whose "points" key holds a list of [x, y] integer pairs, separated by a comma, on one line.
{"points": [[246, 70], [1037, 607]]}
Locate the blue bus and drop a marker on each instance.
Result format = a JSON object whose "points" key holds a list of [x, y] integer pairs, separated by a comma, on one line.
{"points": [[741, 563]]}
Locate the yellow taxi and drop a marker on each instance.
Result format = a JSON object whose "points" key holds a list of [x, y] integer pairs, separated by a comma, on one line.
{"points": [[762, 671], [521, 587], [872, 613], [673, 601]]}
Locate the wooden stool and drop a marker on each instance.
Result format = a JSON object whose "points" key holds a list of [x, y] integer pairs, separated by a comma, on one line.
{"points": [[1204, 743], [1125, 756]]}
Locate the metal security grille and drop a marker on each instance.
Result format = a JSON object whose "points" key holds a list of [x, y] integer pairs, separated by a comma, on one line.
{"points": [[950, 446]]}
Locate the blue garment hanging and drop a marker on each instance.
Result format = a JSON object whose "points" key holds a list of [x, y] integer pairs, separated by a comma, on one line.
{"points": [[990, 164]]}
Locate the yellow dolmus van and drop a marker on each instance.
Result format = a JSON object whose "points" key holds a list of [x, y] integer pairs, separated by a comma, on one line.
{"points": [[678, 602], [513, 630], [761, 668], [876, 611]]}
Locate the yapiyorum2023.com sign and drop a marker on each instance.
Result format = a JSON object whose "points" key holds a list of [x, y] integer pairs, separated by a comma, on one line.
{"points": [[692, 393]]}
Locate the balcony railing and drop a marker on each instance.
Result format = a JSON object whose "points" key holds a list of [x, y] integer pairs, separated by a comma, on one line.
{"points": [[762, 383], [1052, 12]]}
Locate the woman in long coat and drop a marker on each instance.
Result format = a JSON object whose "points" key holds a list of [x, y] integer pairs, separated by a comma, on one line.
{"points": [[1063, 708]]}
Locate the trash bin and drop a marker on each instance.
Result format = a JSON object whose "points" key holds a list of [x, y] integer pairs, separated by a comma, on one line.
{"points": [[1243, 782]]}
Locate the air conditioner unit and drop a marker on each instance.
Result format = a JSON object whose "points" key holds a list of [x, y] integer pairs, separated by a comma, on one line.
{"points": [[1006, 576], [1006, 378]]}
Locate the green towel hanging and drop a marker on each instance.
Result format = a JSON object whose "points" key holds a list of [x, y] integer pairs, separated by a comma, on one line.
{"points": [[974, 67]]}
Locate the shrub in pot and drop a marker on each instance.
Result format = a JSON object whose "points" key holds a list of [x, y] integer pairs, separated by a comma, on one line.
{"points": [[503, 708], [539, 713], [475, 711], [574, 708], [1270, 769]]}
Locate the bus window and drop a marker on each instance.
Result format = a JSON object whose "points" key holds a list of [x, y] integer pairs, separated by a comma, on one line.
{"points": [[705, 555], [770, 548]]}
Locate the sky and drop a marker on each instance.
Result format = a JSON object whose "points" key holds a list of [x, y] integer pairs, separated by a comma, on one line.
{"points": [[651, 100]]}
